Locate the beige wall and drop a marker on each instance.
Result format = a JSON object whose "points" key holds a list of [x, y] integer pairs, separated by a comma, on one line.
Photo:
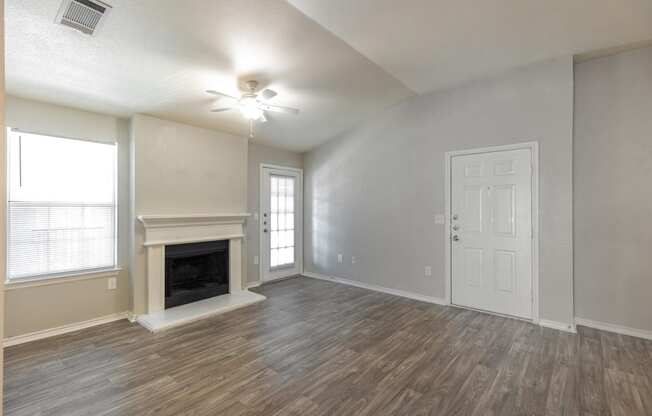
{"points": [[181, 169], [35, 308], [53, 305], [613, 201], [3, 234], [374, 192], [259, 154], [56, 120]]}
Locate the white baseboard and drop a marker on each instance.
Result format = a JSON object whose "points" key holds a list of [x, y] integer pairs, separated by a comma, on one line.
{"points": [[254, 284], [429, 299], [560, 326], [375, 288], [46, 333], [132, 317], [618, 329]]}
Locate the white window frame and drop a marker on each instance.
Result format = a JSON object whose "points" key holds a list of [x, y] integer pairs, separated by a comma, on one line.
{"points": [[70, 275]]}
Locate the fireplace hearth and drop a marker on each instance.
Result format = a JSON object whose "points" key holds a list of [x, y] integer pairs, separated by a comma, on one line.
{"points": [[196, 271]]}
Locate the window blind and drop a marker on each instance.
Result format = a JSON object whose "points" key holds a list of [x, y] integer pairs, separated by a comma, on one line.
{"points": [[62, 205]]}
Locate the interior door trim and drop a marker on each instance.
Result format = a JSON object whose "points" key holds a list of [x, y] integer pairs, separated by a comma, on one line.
{"points": [[534, 151], [299, 218]]}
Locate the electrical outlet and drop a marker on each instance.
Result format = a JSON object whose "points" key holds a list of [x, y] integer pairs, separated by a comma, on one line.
{"points": [[428, 271], [339, 258], [255, 259], [352, 259], [112, 283]]}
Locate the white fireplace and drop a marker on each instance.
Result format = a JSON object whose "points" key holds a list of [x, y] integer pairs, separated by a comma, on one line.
{"points": [[165, 230]]}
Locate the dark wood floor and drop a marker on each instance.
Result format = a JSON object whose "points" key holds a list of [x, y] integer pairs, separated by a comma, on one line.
{"points": [[317, 348]]}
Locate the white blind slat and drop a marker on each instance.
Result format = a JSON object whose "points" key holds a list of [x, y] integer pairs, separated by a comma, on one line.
{"points": [[49, 237]]}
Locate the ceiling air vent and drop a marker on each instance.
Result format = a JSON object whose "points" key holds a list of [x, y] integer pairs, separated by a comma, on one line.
{"points": [[83, 15]]}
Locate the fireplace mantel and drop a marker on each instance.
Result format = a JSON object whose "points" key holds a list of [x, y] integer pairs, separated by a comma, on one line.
{"points": [[190, 228], [163, 230], [153, 221]]}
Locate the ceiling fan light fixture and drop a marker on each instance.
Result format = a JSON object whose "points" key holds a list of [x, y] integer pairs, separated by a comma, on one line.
{"points": [[249, 108], [251, 113]]}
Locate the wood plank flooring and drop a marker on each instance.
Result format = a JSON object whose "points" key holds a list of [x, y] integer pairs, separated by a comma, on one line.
{"points": [[319, 348]]}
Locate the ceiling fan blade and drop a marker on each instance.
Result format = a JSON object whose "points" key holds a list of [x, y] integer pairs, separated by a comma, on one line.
{"points": [[219, 110], [268, 94], [221, 94], [278, 109]]}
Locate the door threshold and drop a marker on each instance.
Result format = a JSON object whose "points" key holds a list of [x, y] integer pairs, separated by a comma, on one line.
{"points": [[502, 315], [279, 279]]}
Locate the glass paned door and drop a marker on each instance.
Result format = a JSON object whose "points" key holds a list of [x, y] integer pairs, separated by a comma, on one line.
{"points": [[281, 233], [281, 226]]}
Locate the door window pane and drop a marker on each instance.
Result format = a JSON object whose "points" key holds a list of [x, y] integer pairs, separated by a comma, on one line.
{"points": [[282, 221], [274, 222]]}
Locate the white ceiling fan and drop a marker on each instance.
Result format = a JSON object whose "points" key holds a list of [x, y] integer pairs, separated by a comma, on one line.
{"points": [[251, 106]]}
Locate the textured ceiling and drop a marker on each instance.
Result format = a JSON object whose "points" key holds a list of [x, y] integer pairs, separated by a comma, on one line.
{"points": [[339, 61], [158, 56], [433, 44]]}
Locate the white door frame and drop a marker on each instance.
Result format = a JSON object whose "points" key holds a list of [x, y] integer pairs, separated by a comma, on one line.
{"points": [[298, 218], [534, 149]]}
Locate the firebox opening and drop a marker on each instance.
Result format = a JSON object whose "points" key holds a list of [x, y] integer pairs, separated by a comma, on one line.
{"points": [[196, 271]]}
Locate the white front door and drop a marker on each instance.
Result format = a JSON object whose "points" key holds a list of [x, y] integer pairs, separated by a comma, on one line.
{"points": [[491, 231], [281, 222]]}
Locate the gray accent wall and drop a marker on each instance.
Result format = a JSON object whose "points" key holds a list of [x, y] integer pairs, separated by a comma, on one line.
{"points": [[373, 193], [613, 196], [259, 154]]}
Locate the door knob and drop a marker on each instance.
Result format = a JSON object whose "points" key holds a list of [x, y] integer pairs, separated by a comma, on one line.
{"points": [[456, 238]]}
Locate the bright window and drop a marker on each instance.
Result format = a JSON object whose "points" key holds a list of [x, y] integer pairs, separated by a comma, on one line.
{"points": [[282, 221], [62, 205]]}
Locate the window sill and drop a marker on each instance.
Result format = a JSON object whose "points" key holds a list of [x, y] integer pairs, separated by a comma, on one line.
{"points": [[61, 279]]}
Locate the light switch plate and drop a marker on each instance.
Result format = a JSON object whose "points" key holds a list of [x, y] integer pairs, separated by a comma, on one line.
{"points": [[339, 258], [112, 283], [255, 216], [440, 219], [255, 259], [428, 271]]}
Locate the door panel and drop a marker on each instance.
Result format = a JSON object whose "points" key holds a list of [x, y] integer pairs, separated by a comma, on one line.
{"points": [[505, 270], [281, 209], [473, 209], [473, 266], [491, 231], [503, 211]]}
